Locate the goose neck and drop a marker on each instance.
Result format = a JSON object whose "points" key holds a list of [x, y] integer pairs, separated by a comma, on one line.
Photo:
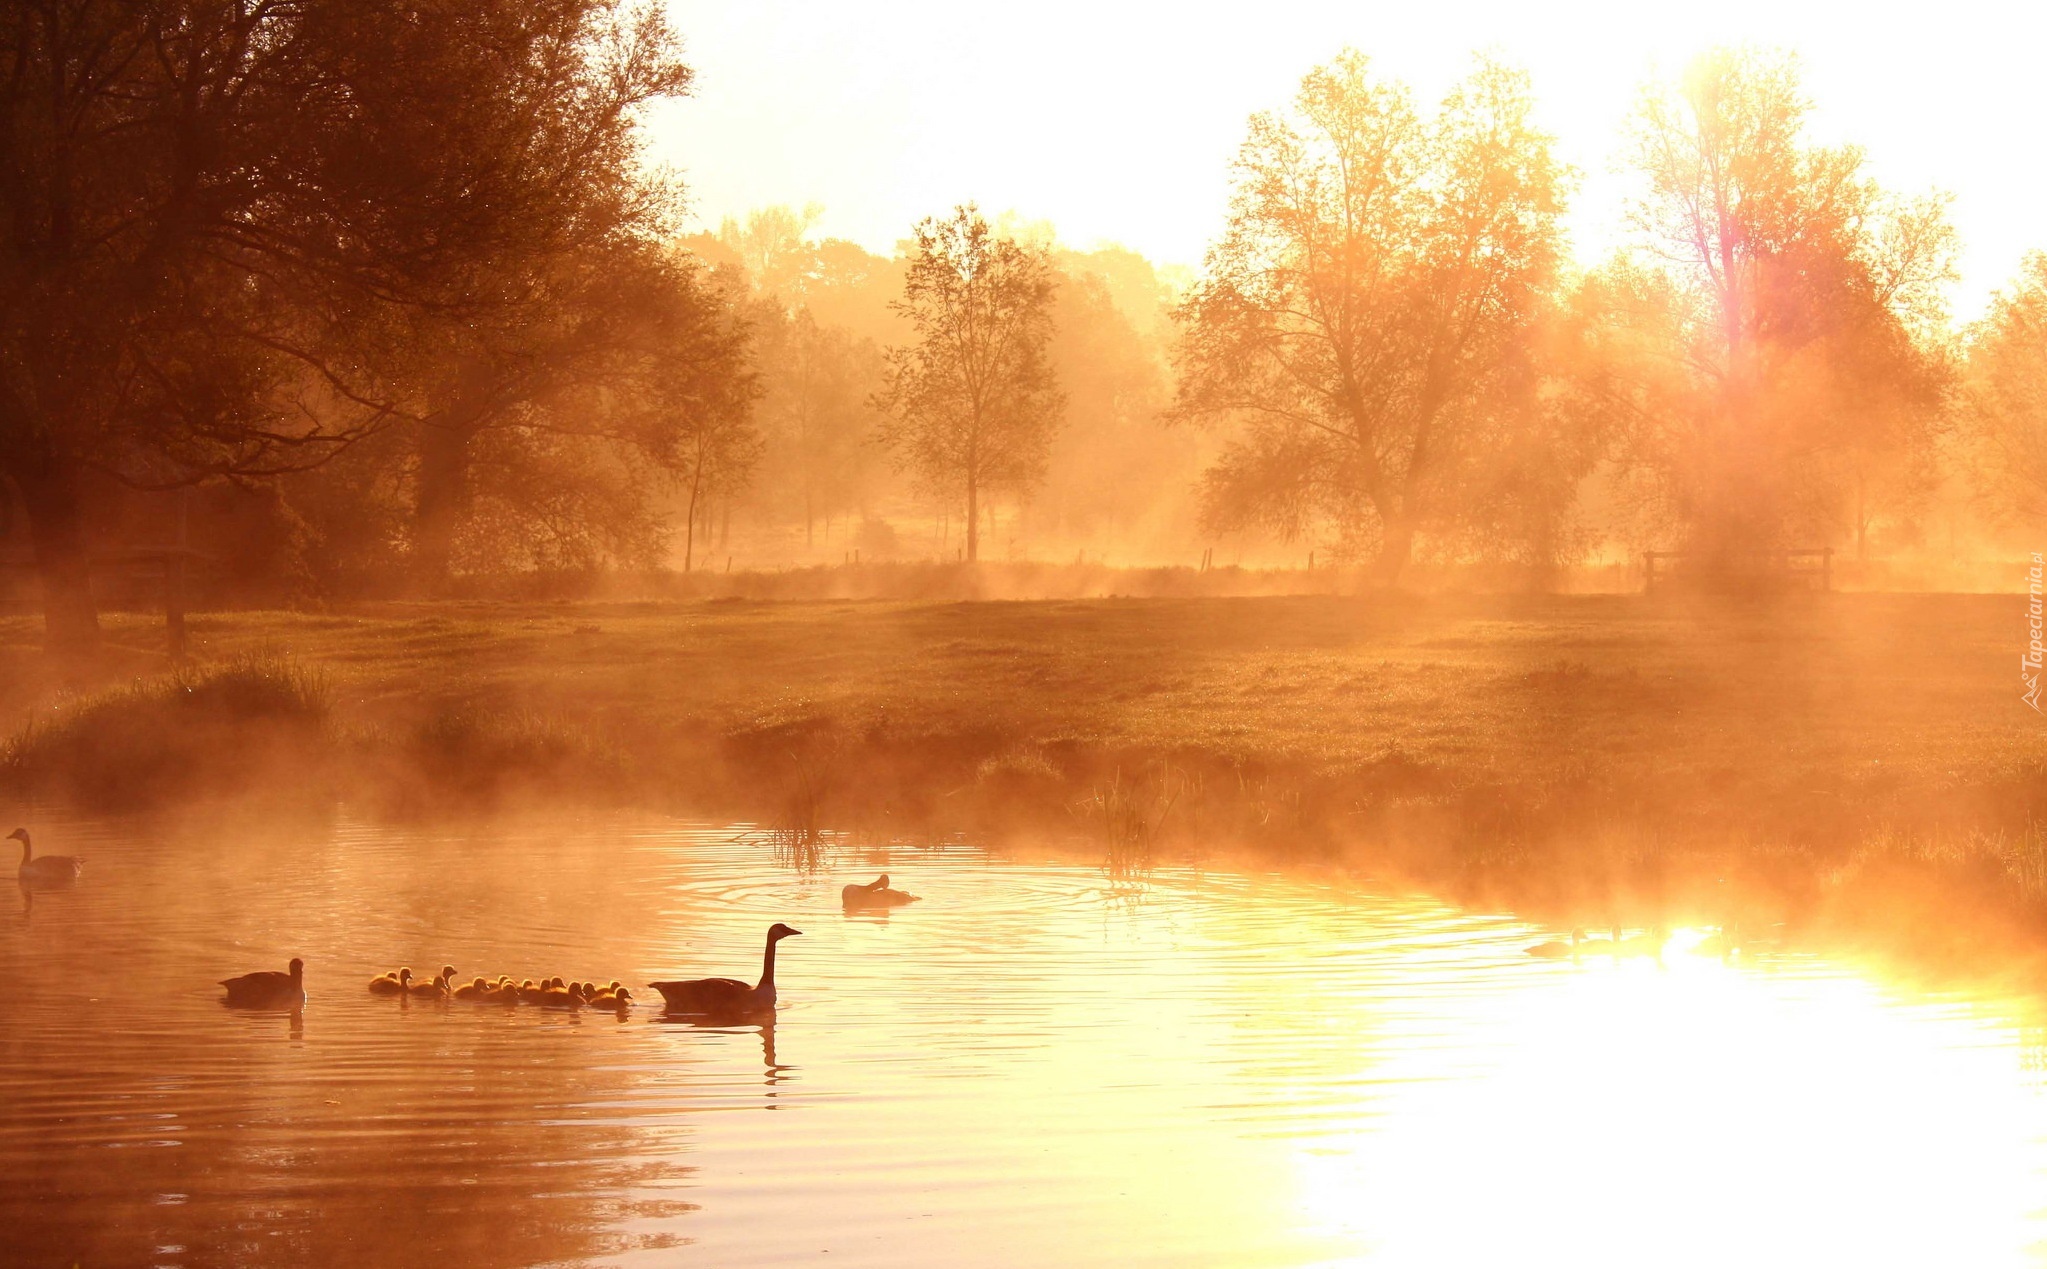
{"points": [[767, 983]]}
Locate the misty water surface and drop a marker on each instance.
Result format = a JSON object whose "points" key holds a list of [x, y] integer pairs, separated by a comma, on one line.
{"points": [[1030, 1067]]}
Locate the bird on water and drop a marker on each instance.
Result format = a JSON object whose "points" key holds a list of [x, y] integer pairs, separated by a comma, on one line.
{"points": [[50, 870], [268, 988], [435, 990], [728, 997], [875, 894], [1558, 949]]}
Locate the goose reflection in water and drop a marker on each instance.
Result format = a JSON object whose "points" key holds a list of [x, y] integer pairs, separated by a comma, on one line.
{"points": [[775, 1071]]}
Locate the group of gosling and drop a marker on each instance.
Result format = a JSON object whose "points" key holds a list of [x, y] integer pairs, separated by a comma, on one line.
{"points": [[712, 997], [717, 998], [553, 993]]}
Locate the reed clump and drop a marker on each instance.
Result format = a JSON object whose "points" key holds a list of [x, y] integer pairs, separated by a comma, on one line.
{"points": [[1128, 819]]}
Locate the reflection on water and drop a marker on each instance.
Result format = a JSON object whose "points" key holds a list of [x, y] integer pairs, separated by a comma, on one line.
{"points": [[1025, 1068]]}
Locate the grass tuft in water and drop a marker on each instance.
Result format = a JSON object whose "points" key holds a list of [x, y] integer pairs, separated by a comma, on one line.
{"points": [[1128, 819], [799, 839]]}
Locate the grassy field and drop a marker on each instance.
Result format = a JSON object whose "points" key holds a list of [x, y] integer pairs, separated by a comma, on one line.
{"points": [[1594, 755]]}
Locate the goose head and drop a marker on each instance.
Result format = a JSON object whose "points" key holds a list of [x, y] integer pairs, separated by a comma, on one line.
{"points": [[20, 835], [298, 969], [447, 975], [777, 932]]}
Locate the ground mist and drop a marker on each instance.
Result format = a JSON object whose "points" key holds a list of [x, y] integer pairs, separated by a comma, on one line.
{"points": [[1855, 763]]}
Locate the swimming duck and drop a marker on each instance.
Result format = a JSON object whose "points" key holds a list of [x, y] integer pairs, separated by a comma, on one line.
{"points": [[50, 870], [268, 989], [875, 894], [1557, 949], [728, 996], [394, 984], [438, 988]]}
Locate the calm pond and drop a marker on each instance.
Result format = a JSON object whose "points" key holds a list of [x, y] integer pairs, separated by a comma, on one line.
{"points": [[1030, 1067]]}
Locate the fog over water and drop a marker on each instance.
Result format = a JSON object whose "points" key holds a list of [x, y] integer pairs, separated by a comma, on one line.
{"points": [[1029, 1066]]}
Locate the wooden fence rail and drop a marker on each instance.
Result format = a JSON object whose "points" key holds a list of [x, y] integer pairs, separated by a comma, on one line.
{"points": [[1819, 565]]}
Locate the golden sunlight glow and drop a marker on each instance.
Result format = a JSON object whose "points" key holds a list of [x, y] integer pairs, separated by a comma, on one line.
{"points": [[1116, 125], [1693, 1113]]}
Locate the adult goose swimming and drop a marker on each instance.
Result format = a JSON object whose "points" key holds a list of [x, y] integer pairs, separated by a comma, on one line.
{"points": [[728, 997], [1558, 949], [50, 870], [875, 894], [269, 989]]}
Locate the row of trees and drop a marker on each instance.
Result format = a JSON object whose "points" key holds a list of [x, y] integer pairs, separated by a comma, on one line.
{"points": [[397, 260], [1395, 349], [397, 273], [1389, 321]]}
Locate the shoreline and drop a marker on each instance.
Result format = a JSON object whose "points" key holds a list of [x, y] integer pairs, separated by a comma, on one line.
{"points": [[1848, 763]]}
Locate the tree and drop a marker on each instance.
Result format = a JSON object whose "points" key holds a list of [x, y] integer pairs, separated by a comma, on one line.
{"points": [[209, 210], [2005, 395], [1366, 315], [1805, 305], [569, 395], [818, 386], [972, 404], [1114, 458]]}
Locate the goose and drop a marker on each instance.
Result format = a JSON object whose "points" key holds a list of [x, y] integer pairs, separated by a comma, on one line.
{"points": [[502, 992], [475, 989], [620, 999], [728, 996], [438, 988], [392, 984], [1558, 949], [268, 989], [50, 870], [530, 992], [875, 894], [560, 997]]}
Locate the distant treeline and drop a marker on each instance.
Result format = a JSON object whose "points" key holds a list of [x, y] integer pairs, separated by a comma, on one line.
{"points": [[365, 297]]}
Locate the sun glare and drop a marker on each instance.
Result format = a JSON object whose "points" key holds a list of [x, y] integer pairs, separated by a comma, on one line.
{"points": [[1691, 1113]]}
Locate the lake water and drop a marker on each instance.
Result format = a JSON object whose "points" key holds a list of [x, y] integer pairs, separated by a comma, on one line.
{"points": [[1030, 1067]]}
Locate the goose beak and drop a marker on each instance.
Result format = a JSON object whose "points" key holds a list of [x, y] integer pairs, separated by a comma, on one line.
{"points": [[792, 931]]}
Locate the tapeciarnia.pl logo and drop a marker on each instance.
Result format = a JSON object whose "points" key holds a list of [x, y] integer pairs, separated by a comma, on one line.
{"points": [[2029, 664]]}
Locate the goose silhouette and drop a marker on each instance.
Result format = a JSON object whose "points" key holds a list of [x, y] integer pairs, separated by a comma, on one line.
{"points": [[875, 894], [268, 988], [728, 997], [50, 870]]}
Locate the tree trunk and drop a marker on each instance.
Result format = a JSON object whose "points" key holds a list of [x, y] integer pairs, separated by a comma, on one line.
{"points": [[689, 533], [1396, 548], [441, 503], [973, 519], [56, 519], [1861, 520]]}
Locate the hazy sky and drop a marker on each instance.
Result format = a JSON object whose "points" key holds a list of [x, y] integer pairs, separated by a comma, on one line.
{"points": [[1116, 121]]}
